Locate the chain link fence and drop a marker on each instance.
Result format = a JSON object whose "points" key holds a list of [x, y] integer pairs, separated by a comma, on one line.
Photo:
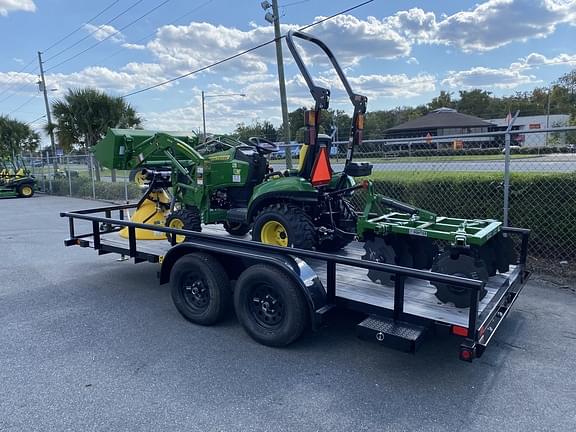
{"points": [[77, 176]]}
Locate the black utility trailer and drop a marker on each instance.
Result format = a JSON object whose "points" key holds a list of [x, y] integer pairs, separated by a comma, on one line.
{"points": [[278, 292]]}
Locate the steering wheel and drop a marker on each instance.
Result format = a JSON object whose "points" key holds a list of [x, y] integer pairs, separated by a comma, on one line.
{"points": [[263, 145]]}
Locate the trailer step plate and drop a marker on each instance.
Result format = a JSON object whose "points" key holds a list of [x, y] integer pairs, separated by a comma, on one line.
{"points": [[398, 335]]}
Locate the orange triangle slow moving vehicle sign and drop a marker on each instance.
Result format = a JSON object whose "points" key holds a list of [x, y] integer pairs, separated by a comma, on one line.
{"points": [[322, 172]]}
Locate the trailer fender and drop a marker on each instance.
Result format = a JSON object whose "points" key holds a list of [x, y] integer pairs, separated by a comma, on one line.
{"points": [[235, 260]]}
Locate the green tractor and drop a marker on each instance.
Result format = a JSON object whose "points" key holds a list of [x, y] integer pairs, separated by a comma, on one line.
{"points": [[15, 179], [233, 184]]}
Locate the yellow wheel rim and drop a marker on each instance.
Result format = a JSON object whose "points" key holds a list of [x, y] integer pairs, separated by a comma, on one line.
{"points": [[26, 191], [177, 224], [139, 178], [274, 233]]}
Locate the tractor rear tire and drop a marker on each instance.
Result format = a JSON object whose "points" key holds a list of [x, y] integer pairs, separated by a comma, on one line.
{"points": [[236, 229], [188, 219], [270, 306], [285, 225], [200, 288], [25, 191]]}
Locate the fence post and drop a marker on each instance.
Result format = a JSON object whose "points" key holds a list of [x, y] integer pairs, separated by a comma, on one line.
{"points": [[92, 176], [125, 187], [506, 177], [69, 174], [49, 176], [507, 137]]}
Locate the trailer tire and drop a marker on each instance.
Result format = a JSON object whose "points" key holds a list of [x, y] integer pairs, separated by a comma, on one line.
{"points": [[270, 306], [200, 288]]}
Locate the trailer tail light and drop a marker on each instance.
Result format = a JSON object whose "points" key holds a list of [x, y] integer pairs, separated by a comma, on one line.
{"points": [[459, 331], [467, 354]]}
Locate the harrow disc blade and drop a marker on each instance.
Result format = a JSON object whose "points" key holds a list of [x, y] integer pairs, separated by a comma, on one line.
{"points": [[379, 250], [423, 251], [458, 264]]}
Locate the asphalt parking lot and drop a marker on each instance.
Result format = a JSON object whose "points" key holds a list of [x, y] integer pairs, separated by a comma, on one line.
{"points": [[90, 343]]}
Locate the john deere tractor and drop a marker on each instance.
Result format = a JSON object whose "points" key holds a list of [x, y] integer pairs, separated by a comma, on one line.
{"points": [[219, 182]]}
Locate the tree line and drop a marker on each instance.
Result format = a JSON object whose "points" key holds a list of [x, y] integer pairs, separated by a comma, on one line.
{"points": [[561, 96]]}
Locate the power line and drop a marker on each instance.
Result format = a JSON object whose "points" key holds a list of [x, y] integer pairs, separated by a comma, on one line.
{"points": [[133, 5], [80, 27], [241, 53], [142, 39], [23, 105], [36, 119], [109, 36], [15, 91], [17, 72]]}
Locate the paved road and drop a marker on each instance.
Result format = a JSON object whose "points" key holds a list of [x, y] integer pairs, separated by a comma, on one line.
{"points": [[89, 343]]}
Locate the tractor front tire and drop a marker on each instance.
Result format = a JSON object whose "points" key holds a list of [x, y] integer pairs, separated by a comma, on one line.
{"points": [[285, 225], [200, 288], [188, 219]]}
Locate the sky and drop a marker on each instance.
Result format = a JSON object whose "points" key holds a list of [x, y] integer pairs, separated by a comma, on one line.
{"points": [[398, 53]]}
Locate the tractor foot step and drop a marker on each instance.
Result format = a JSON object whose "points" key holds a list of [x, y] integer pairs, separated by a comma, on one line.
{"points": [[398, 335]]}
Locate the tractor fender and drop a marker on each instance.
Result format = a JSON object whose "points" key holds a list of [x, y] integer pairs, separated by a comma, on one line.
{"points": [[294, 189], [297, 269]]}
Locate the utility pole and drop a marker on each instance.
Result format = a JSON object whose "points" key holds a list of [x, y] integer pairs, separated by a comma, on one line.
{"points": [[274, 18], [48, 115]]}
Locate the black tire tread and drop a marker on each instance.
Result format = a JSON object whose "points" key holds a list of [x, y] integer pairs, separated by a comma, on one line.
{"points": [[294, 300], [217, 273], [302, 228]]}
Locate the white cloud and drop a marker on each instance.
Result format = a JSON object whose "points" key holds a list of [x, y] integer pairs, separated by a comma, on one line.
{"points": [[133, 46], [7, 6], [130, 77], [496, 23], [483, 77], [534, 60], [104, 31]]}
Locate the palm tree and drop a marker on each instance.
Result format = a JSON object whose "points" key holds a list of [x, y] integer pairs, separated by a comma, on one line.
{"points": [[84, 116], [16, 137]]}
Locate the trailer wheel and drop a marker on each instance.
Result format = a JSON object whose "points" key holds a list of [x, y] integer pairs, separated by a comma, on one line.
{"points": [[270, 306], [25, 191], [200, 288]]}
